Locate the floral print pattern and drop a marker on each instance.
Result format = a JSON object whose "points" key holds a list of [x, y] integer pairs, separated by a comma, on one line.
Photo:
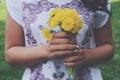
{"points": [[83, 73], [30, 39], [31, 12]]}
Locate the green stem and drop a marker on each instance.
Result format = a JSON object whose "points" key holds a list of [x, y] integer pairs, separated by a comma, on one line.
{"points": [[71, 73]]}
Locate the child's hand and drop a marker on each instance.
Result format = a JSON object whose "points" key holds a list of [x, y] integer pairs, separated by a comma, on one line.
{"points": [[61, 45], [76, 59]]}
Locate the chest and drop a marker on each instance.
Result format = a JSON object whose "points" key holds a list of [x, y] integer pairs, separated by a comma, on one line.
{"points": [[36, 14], [34, 10]]}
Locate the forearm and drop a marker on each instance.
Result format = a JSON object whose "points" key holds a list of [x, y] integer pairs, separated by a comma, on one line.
{"points": [[98, 55], [24, 56]]}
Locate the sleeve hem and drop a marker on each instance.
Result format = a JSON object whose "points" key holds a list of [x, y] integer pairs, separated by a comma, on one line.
{"points": [[15, 19], [14, 13], [103, 23]]}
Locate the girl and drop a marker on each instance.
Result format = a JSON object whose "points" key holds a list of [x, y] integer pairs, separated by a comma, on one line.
{"points": [[49, 60]]}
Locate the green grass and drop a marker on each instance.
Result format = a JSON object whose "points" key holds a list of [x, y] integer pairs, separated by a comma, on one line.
{"points": [[110, 70], [6, 72]]}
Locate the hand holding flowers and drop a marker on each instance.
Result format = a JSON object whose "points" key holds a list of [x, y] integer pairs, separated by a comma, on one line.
{"points": [[69, 21]]}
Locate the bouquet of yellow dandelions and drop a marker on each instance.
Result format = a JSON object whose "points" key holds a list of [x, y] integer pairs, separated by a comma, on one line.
{"points": [[68, 20]]}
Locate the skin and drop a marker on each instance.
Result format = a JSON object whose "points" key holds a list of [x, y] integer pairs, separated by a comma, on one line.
{"points": [[61, 46]]}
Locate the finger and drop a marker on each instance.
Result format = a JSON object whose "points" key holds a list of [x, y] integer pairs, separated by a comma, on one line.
{"points": [[60, 54], [61, 35], [62, 47], [63, 41], [81, 53], [72, 64], [74, 58]]}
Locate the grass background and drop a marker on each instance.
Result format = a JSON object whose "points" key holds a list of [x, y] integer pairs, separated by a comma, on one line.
{"points": [[110, 70]]}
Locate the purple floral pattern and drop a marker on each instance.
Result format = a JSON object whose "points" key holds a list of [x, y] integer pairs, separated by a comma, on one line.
{"points": [[31, 10], [30, 39], [58, 75], [69, 79], [30, 15], [86, 42], [36, 73], [83, 73]]}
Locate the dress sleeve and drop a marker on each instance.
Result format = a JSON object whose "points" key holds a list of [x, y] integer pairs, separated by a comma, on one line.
{"points": [[14, 8], [101, 17]]}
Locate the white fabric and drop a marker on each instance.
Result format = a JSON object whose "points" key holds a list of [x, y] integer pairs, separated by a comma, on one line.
{"points": [[15, 10], [26, 13], [96, 73], [101, 17]]}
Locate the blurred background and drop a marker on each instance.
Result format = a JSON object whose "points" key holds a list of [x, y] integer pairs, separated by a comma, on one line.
{"points": [[110, 70]]}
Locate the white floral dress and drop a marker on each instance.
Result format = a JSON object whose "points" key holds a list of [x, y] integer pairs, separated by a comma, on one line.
{"points": [[33, 15]]}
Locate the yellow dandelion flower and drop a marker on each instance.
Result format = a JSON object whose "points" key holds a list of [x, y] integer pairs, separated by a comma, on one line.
{"points": [[55, 17], [75, 29], [71, 13], [53, 22], [79, 22], [46, 33], [78, 25], [60, 15], [67, 24], [68, 19], [56, 10]]}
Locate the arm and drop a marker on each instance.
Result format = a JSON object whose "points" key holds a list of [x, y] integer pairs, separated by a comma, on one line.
{"points": [[102, 53], [15, 51], [17, 54]]}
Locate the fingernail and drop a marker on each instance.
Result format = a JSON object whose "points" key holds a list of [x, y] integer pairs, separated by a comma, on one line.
{"points": [[75, 50], [77, 46]]}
